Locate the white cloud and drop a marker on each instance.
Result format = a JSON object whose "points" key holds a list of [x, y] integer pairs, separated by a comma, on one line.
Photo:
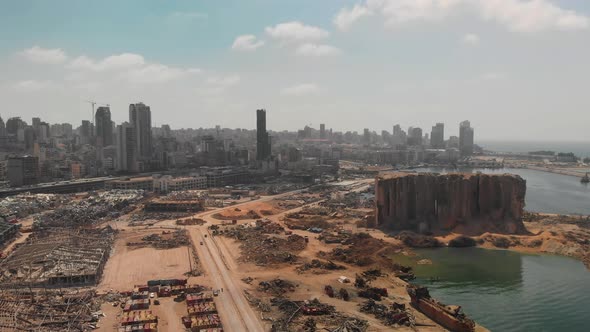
{"points": [[154, 73], [402, 11], [296, 31], [531, 16], [113, 62], [301, 90], [346, 17], [317, 50], [131, 67], [246, 43], [218, 84], [471, 39], [44, 55], [516, 15]]}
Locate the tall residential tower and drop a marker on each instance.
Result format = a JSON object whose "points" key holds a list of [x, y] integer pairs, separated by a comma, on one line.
{"points": [[262, 137], [140, 118], [104, 127], [465, 139]]}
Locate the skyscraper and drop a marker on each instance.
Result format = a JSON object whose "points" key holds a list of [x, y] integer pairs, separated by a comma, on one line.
{"points": [[262, 137], [366, 137], [465, 138], [2, 128], [126, 148], [322, 131], [104, 128], [86, 132], [13, 125], [140, 118], [437, 136], [415, 136]]}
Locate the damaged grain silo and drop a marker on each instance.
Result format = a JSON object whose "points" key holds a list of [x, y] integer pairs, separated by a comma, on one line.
{"points": [[468, 202]]}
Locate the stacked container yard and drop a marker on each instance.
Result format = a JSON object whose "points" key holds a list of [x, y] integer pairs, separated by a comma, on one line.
{"points": [[201, 308], [202, 313], [141, 304], [196, 298], [138, 317], [149, 327], [198, 323]]}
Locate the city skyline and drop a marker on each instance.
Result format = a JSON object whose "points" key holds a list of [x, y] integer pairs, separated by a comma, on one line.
{"points": [[362, 64]]}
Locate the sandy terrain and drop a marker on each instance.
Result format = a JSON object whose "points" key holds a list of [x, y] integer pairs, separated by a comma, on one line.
{"points": [[128, 266]]}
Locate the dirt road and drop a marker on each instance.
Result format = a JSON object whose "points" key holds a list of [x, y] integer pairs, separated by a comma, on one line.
{"points": [[235, 312]]}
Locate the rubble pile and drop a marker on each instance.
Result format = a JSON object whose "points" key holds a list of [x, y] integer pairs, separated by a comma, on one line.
{"points": [[319, 265], [166, 240], [190, 221], [185, 195], [59, 257], [23, 205], [414, 240], [262, 249], [156, 216], [361, 249], [395, 314], [91, 211], [276, 287], [295, 314], [24, 309], [300, 221], [248, 215]]}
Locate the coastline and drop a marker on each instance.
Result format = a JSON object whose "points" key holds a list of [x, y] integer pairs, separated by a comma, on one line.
{"points": [[550, 170], [547, 233]]}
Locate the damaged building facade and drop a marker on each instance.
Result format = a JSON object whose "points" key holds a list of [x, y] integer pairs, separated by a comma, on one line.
{"points": [[429, 202]]}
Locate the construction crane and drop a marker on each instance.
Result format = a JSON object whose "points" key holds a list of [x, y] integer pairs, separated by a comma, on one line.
{"points": [[91, 102]]}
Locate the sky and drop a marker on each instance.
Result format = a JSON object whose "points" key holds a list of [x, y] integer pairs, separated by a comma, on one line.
{"points": [[517, 69]]}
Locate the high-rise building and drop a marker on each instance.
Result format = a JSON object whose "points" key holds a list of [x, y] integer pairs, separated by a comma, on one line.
{"points": [[140, 117], [104, 128], [322, 131], [22, 171], [399, 136], [366, 137], [465, 138], [2, 128], [35, 124], [126, 148], [415, 136], [29, 138], [86, 129], [13, 125], [263, 145], [437, 136]]}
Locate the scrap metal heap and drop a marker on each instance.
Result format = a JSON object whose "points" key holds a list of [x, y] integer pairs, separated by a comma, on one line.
{"points": [[90, 211], [59, 257], [261, 243], [45, 310]]}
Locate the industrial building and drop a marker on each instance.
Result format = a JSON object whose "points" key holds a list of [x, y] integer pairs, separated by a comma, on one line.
{"points": [[143, 183], [167, 183]]}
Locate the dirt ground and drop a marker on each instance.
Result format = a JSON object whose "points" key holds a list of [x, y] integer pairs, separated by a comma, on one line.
{"points": [[128, 266], [261, 208]]}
